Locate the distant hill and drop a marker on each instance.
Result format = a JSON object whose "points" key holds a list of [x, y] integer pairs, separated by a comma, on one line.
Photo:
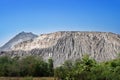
{"points": [[17, 39], [67, 45]]}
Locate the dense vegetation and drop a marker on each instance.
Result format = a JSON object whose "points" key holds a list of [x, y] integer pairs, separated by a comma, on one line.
{"points": [[28, 66], [89, 69], [82, 69]]}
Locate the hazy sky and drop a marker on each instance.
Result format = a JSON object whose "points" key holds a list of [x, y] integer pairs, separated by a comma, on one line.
{"points": [[44, 16]]}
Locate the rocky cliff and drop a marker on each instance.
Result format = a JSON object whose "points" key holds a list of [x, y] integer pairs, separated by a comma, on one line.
{"points": [[70, 45]]}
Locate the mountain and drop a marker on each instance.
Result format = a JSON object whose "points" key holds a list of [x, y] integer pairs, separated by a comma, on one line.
{"points": [[70, 45], [17, 39], [42, 41]]}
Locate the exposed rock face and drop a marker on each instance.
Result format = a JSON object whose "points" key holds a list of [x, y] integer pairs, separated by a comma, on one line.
{"points": [[70, 45], [42, 41], [17, 39]]}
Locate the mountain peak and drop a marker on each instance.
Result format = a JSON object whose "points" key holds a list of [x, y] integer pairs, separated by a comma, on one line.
{"points": [[22, 32], [20, 37], [25, 33]]}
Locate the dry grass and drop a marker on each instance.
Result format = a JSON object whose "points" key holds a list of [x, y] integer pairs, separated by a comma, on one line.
{"points": [[27, 78]]}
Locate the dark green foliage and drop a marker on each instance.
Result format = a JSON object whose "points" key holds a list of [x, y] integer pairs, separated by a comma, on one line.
{"points": [[88, 69], [8, 66], [83, 69], [50, 67], [28, 66]]}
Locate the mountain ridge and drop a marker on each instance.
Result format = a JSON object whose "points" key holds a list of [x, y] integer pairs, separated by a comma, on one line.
{"points": [[70, 45]]}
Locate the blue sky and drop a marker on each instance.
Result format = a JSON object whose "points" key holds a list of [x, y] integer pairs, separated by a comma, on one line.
{"points": [[44, 16]]}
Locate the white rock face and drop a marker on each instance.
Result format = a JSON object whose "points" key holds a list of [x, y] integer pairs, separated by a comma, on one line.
{"points": [[42, 41], [70, 45]]}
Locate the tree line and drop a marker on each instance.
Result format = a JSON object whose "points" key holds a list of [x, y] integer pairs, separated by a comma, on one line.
{"points": [[28, 66], [88, 69], [81, 69]]}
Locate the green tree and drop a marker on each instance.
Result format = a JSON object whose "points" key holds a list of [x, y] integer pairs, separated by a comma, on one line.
{"points": [[5, 62], [60, 73], [41, 68], [50, 67]]}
